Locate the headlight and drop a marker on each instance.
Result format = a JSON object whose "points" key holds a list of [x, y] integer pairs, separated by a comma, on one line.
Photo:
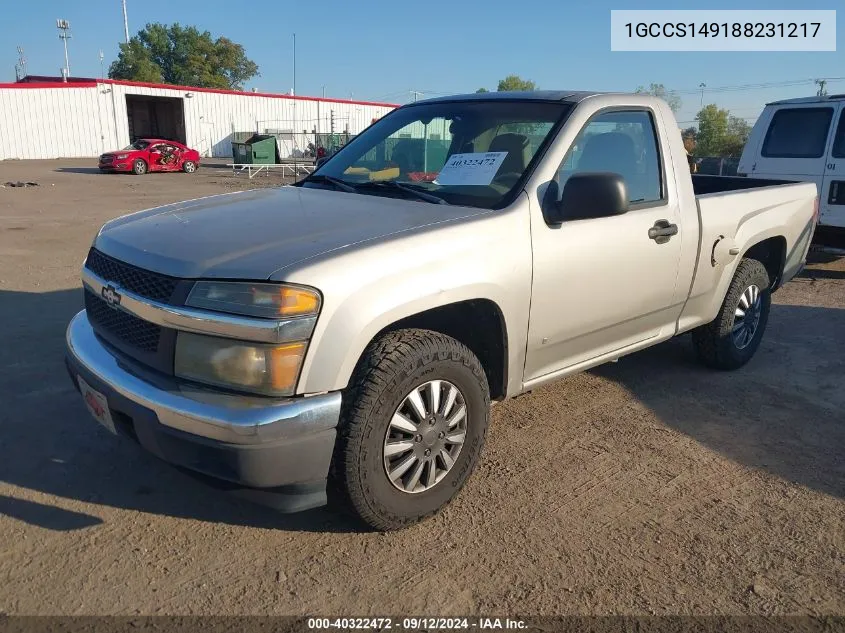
{"points": [[266, 369], [121, 156], [266, 300]]}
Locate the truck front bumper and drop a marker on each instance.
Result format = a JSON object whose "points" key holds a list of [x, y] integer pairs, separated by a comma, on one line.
{"points": [[274, 451]]}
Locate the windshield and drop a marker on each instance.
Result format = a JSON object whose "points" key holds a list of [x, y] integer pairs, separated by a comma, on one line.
{"points": [[138, 145], [464, 152]]}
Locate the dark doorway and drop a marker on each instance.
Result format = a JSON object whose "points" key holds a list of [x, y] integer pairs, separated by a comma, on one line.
{"points": [[155, 117]]}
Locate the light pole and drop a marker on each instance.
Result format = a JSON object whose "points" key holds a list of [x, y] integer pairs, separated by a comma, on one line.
{"points": [[64, 35], [702, 85]]}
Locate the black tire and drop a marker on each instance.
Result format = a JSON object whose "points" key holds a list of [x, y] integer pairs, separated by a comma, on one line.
{"points": [[139, 167], [391, 367], [189, 167], [714, 343]]}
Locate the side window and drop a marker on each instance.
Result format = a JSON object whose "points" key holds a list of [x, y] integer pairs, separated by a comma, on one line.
{"points": [[839, 139], [621, 142], [798, 133]]}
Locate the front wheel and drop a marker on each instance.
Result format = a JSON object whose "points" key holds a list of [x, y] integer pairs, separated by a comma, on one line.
{"points": [[732, 338], [412, 427], [139, 167], [189, 167]]}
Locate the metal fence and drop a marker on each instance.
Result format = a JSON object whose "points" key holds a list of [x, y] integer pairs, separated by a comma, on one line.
{"points": [[716, 166]]}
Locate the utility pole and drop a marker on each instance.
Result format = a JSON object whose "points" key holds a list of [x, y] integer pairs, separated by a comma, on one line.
{"points": [[102, 66], [64, 35], [125, 23], [293, 90], [821, 83], [702, 85], [414, 94]]}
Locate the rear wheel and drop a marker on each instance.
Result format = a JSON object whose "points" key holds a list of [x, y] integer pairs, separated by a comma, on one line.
{"points": [[139, 167], [413, 424], [189, 166], [732, 338]]}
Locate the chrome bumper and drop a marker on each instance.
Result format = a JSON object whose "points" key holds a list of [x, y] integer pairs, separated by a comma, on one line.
{"points": [[206, 413]]}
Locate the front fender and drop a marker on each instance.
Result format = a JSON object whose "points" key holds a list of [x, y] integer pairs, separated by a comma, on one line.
{"points": [[367, 289]]}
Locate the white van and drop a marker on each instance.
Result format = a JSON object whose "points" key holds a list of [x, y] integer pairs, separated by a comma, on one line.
{"points": [[802, 139]]}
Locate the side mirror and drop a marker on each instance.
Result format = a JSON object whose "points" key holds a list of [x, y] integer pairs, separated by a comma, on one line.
{"points": [[321, 160], [587, 195]]}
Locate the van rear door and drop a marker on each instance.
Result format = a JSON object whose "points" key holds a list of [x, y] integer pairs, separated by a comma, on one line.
{"points": [[832, 191], [796, 144]]}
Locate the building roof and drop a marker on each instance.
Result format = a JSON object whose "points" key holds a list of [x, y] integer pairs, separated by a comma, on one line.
{"points": [[38, 81], [813, 99]]}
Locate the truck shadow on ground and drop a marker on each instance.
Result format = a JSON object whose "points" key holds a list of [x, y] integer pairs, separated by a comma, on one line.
{"points": [[783, 413], [50, 445]]}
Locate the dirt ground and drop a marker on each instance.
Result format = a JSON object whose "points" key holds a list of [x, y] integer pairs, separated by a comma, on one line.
{"points": [[647, 486]]}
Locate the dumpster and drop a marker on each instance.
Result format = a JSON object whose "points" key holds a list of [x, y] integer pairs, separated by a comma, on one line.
{"points": [[256, 149]]}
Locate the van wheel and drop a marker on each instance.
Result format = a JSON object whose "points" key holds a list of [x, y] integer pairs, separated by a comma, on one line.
{"points": [[412, 427], [732, 338], [139, 167]]}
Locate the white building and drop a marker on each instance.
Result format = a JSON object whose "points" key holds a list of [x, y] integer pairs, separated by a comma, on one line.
{"points": [[84, 118]]}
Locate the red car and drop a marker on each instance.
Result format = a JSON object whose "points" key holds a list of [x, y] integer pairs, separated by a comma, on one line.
{"points": [[152, 154]]}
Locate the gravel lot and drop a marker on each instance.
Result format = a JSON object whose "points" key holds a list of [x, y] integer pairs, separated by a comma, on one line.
{"points": [[647, 486]]}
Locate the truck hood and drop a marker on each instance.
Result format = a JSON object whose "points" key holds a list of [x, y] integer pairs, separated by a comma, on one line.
{"points": [[252, 234]]}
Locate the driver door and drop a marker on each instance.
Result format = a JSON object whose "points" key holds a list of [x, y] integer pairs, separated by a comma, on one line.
{"points": [[155, 157], [603, 284]]}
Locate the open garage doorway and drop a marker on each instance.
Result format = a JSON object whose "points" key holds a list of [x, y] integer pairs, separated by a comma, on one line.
{"points": [[155, 117]]}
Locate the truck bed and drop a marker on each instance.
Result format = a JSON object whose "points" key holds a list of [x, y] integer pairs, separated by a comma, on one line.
{"points": [[734, 211]]}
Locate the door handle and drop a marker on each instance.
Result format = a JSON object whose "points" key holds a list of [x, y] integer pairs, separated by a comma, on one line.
{"points": [[662, 231]]}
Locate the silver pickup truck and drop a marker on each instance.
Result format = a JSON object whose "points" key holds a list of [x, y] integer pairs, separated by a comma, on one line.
{"points": [[343, 338]]}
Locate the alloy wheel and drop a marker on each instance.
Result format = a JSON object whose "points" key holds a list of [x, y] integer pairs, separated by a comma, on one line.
{"points": [[747, 317], [425, 436]]}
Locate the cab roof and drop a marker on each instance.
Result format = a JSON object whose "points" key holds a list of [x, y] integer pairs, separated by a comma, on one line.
{"points": [[813, 99], [567, 96]]}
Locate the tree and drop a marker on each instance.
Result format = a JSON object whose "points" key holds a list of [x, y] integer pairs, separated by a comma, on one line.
{"points": [[719, 133], [183, 56], [712, 128], [513, 83], [659, 90], [736, 137], [480, 90]]}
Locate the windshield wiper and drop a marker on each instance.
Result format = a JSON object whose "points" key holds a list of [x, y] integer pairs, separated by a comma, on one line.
{"points": [[336, 182], [396, 186]]}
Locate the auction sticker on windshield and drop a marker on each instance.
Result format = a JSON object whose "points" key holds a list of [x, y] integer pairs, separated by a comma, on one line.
{"points": [[477, 168]]}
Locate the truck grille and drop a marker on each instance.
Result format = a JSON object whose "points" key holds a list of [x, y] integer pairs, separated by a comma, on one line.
{"points": [[126, 328], [145, 283]]}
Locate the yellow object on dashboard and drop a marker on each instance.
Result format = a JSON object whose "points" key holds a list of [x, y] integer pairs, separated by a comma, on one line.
{"points": [[382, 174], [356, 171], [385, 174]]}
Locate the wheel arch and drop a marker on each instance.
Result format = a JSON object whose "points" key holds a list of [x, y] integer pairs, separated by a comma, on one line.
{"points": [[771, 252], [477, 323]]}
